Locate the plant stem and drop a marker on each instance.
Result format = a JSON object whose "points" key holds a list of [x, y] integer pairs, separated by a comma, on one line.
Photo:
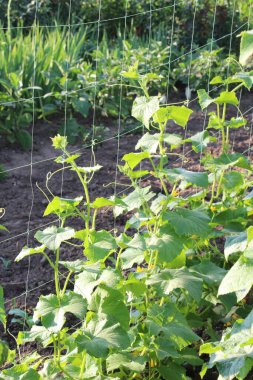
{"points": [[66, 283], [56, 274], [82, 366]]}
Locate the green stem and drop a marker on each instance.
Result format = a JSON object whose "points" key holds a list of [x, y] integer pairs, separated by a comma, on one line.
{"points": [[118, 259], [213, 191], [66, 283], [220, 183], [56, 274], [82, 366]]}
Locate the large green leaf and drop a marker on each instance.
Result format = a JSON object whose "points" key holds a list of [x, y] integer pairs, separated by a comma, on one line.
{"points": [[19, 372], [168, 322], [204, 99], [235, 243], [179, 114], [168, 245], [109, 301], [81, 105], [100, 336], [227, 97], [134, 254], [226, 161], [200, 141], [189, 222], [232, 180], [135, 199], [196, 178], [52, 311], [246, 48], [210, 273], [61, 206], [30, 251], [53, 236], [233, 354], [149, 143], [133, 159], [102, 244], [89, 279], [37, 333], [143, 109], [239, 279], [127, 361], [170, 279]]}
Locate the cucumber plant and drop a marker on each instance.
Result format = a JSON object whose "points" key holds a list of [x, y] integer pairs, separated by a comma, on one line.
{"points": [[147, 303]]}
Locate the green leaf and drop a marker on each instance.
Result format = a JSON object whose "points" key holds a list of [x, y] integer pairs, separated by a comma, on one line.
{"points": [[232, 180], [71, 130], [81, 105], [246, 78], [53, 236], [227, 97], [204, 99], [239, 279], [135, 199], [236, 122], [61, 206], [4, 353], [59, 142], [246, 47], [200, 141], [149, 143], [189, 222], [100, 336], [102, 244], [125, 360], [168, 322], [170, 279], [29, 251], [233, 354], [52, 311], [88, 169], [168, 246], [24, 138], [109, 301], [180, 115], [196, 178], [210, 273], [172, 371], [133, 159], [226, 161], [20, 372], [143, 109], [102, 202], [89, 279], [37, 333], [134, 254], [3, 318], [3, 228]]}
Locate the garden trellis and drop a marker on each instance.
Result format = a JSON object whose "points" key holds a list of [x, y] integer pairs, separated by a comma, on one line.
{"points": [[147, 236]]}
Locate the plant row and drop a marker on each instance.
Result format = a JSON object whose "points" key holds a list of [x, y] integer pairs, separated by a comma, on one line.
{"points": [[176, 284]]}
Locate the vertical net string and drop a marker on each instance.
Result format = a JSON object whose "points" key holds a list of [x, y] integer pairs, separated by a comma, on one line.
{"points": [[120, 109], [31, 161]]}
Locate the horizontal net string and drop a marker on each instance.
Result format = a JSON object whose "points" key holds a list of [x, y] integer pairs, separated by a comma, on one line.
{"points": [[87, 146]]}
